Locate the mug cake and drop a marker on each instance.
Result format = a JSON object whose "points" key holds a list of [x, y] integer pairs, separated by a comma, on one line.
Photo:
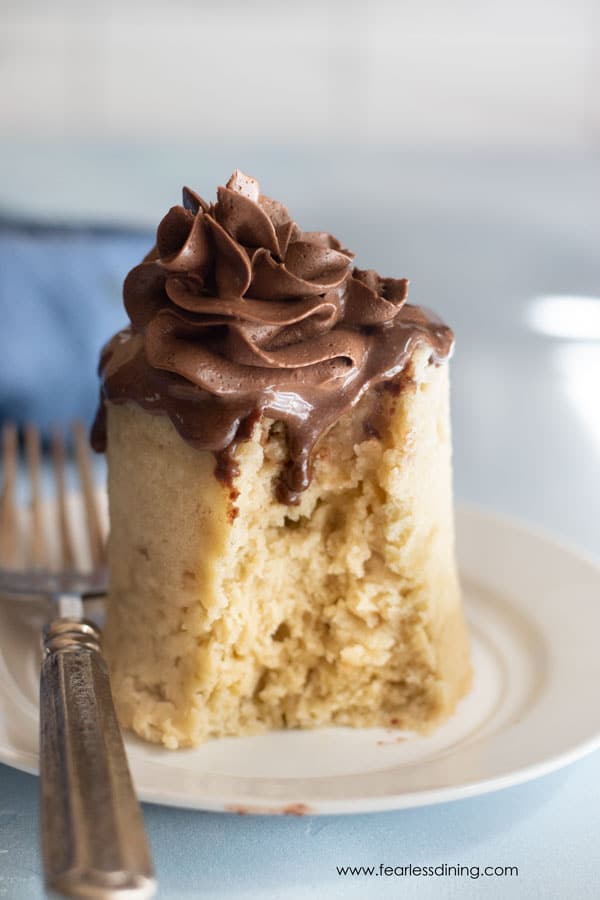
{"points": [[276, 424]]}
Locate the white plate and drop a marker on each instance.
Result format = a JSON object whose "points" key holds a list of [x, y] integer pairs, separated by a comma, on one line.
{"points": [[534, 611]]}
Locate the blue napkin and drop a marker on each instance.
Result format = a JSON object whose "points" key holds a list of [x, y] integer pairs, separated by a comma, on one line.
{"points": [[60, 300]]}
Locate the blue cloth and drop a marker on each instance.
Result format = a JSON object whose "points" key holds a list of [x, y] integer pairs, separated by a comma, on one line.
{"points": [[60, 300]]}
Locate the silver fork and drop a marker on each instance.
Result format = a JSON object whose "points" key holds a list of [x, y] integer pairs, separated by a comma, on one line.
{"points": [[92, 831]]}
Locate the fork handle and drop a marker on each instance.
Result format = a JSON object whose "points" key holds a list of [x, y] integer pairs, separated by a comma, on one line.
{"points": [[93, 839]]}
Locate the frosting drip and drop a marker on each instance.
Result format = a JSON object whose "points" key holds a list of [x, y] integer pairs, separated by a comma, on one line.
{"points": [[237, 313]]}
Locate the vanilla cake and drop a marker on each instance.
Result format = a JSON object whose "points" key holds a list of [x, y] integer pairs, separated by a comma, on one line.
{"points": [[277, 432]]}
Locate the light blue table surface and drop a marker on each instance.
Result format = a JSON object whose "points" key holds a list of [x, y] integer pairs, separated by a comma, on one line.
{"points": [[483, 241], [549, 829]]}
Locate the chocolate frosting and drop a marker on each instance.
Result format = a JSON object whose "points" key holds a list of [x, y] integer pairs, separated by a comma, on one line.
{"points": [[237, 313]]}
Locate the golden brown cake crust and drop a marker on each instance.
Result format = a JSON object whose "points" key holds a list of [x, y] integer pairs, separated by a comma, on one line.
{"points": [[231, 615]]}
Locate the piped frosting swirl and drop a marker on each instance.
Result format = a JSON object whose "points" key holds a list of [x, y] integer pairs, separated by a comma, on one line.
{"points": [[237, 313]]}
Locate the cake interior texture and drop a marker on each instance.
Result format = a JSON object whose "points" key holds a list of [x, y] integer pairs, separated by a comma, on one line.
{"points": [[231, 613]]}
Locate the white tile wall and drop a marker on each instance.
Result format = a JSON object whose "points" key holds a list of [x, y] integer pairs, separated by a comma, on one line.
{"points": [[520, 74]]}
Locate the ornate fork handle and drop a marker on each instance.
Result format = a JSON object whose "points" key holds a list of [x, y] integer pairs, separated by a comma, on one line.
{"points": [[92, 830]]}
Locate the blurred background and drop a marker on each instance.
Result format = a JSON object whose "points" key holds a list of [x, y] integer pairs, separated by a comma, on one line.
{"points": [[454, 143]]}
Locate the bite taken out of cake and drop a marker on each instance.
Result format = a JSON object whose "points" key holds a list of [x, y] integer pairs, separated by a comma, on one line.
{"points": [[277, 432]]}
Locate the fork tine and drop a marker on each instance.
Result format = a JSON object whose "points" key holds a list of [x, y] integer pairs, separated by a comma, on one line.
{"points": [[86, 478], [57, 447], [9, 538], [38, 548]]}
